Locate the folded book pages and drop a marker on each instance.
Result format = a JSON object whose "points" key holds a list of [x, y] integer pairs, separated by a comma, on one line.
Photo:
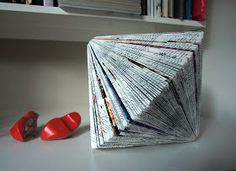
{"points": [[144, 89]]}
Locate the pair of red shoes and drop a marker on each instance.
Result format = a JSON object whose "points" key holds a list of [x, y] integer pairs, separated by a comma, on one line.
{"points": [[56, 128]]}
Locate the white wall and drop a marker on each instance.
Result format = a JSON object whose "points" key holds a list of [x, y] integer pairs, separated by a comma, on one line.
{"points": [[47, 77], [219, 69], [219, 83]]}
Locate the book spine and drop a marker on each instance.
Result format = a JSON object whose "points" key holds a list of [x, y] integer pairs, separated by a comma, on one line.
{"points": [[37, 2], [188, 9], [48, 3], [154, 8], [18, 1], [55, 2], [164, 8], [171, 8], [158, 8], [199, 10], [6, 0], [28, 2], [179, 9], [149, 7], [144, 7]]}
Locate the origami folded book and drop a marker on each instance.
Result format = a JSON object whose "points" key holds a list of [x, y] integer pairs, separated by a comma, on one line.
{"points": [[144, 89]]}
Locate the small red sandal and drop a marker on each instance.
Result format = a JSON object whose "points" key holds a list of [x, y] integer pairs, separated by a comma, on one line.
{"points": [[25, 127], [59, 128]]}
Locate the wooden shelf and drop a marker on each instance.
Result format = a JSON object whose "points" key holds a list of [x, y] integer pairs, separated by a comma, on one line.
{"points": [[53, 23]]}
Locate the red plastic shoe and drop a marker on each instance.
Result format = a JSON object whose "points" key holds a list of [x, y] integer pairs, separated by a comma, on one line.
{"points": [[25, 127], [59, 128]]}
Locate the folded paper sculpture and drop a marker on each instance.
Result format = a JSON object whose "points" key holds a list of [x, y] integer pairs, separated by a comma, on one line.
{"points": [[144, 89]]}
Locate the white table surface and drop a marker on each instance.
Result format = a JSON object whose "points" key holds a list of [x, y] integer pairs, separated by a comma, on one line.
{"points": [[215, 148]]}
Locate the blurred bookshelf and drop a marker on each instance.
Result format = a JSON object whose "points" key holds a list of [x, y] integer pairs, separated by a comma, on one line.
{"points": [[23, 21]]}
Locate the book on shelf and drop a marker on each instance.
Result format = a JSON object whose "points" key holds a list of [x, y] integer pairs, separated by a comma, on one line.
{"points": [[188, 9], [144, 7], [179, 9], [48, 3], [154, 8], [158, 8], [9, 1], [37, 2], [144, 89], [165, 8], [170, 8], [116, 6], [17, 1], [199, 10], [149, 8]]}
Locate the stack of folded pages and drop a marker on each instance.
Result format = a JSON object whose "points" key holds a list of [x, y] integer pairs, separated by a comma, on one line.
{"points": [[144, 88], [120, 6]]}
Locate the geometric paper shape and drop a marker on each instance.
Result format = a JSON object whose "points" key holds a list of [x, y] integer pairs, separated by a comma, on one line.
{"points": [[144, 89]]}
